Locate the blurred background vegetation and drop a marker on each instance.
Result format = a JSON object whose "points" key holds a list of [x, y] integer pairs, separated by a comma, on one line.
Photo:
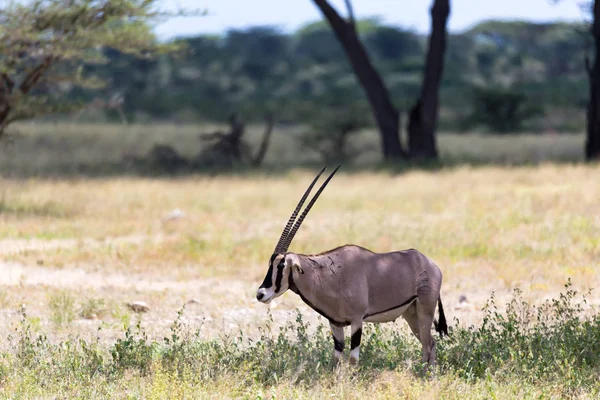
{"points": [[301, 88], [499, 77]]}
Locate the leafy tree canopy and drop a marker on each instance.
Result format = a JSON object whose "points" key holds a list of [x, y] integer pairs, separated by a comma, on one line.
{"points": [[45, 44]]}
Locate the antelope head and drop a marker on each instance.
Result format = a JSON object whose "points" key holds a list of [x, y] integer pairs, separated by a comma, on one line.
{"points": [[281, 263]]}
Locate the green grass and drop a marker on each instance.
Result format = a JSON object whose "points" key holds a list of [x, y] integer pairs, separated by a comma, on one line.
{"points": [[62, 308], [63, 149], [545, 351]]}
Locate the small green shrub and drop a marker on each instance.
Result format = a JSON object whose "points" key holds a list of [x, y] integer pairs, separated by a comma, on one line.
{"points": [[62, 308], [547, 342], [556, 343], [93, 308], [134, 352]]}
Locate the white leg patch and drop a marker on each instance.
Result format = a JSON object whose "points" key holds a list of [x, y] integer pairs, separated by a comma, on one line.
{"points": [[337, 355], [354, 354]]}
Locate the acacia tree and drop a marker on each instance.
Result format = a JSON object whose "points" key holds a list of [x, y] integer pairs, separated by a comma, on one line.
{"points": [[46, 44], [424, 114], [385, 114]]}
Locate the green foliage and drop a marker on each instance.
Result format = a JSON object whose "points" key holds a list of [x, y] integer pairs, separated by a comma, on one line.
{"points": [[501, 110], [62, 307], [45, 46], [331, 124], [134, 352], [262, 70], [553, 341], [331, 132], [393, 45], [92, 308], [556, 342]]}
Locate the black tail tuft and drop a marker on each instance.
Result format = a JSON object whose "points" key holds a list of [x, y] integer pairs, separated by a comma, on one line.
{"points": [[441, 327]]}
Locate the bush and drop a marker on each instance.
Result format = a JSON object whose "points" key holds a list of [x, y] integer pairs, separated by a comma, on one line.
{"points": [[331, 133], [552, 343], [501, 110]]}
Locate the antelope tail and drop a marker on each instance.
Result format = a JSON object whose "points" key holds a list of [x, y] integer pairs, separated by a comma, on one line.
{"points": [[441, 327]]}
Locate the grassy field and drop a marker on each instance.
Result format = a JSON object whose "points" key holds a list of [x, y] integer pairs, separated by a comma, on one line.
{"points": [[75, 250], [62, 149]]}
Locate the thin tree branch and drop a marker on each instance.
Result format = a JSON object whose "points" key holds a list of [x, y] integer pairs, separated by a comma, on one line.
{"points": [[35, 75], [264, 145], [4, 119], [8, 83], [218, 135], [351, 19], [13, 118], [331, 14]]}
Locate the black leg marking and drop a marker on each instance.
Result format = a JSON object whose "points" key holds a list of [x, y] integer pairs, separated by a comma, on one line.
{"points": [[339, 346], [355, 340]]}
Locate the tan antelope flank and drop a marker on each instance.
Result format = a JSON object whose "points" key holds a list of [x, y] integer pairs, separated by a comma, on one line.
{"points": [[350, 285]]}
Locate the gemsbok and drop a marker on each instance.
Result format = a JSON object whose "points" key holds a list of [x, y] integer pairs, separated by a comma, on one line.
{"points": [[350, 285]]}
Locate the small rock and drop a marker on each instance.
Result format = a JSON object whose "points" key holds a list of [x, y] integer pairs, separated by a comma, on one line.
{"points": [[463, 304], [83, 321], [193, 301], [173, 215], [139, 306]]}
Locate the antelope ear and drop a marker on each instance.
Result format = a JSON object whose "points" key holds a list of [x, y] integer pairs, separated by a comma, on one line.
{"points": [[292, 261]]}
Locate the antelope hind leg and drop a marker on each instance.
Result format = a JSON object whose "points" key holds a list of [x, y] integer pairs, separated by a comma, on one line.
{"points": [[356, 328], [425, 322], [337, 332]]}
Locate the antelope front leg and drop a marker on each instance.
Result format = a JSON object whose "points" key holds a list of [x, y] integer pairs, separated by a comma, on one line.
{"points": [[355, 342], [337, 332]]}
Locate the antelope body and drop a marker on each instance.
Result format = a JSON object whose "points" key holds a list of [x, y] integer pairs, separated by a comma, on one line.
{"points": [[350, 285]]}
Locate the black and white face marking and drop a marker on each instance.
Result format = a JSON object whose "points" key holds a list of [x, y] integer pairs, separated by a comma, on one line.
{"points": [[276, 280]]}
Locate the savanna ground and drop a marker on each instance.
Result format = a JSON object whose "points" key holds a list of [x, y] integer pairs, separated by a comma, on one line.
{"points": [[76, 248]]}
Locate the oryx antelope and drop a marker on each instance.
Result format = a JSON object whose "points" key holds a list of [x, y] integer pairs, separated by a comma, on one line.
{"points": [[350, 285]]}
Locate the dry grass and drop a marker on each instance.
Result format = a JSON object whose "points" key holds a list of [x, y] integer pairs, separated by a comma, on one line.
{"points": [[489, 228], [526, 224], [81, 243], [392, 385]]}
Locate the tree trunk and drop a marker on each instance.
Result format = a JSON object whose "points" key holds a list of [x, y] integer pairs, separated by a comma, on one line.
{"points": [[386, 115], [233, 142], [424, 114], [592, 145], [264, 144], [3, 116], [6, 90]]}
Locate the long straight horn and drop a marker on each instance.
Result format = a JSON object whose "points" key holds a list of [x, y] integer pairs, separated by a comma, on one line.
{"points": [[286, 231], [289, 238]]}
